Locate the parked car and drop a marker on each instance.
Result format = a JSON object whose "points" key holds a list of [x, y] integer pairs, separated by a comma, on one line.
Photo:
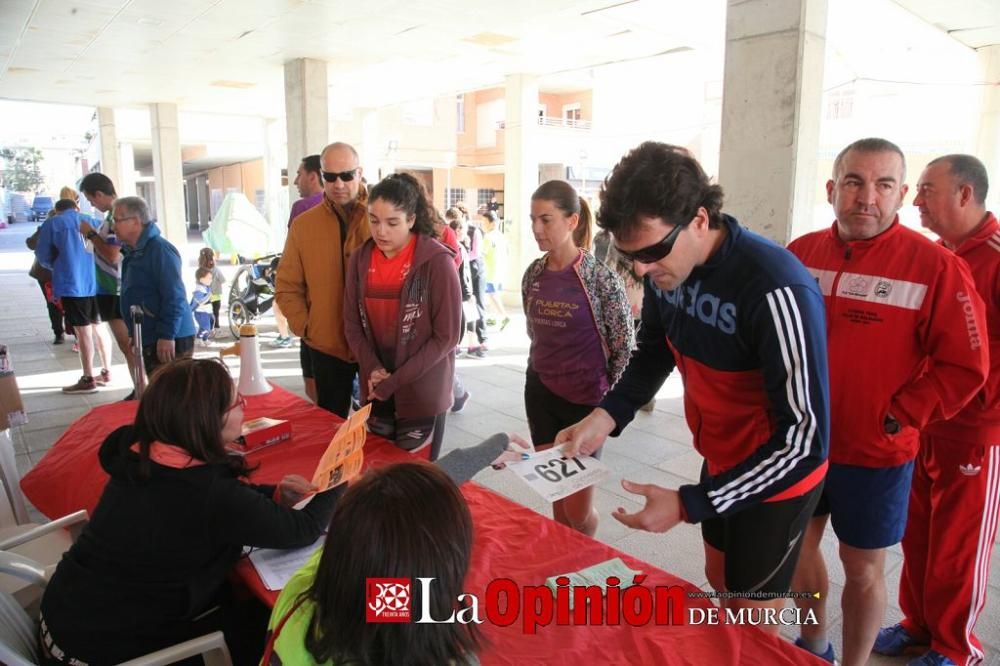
{"points": [[40, 207]]}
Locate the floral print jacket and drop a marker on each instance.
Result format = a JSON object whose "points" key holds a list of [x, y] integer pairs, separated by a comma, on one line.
{"points": [[608, 304]]}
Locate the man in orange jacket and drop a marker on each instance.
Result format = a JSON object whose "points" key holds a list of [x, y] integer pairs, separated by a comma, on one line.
{"points": [[310, 285]]}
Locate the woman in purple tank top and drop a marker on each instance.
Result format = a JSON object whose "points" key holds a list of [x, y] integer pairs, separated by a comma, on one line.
{"points": [[580, 327]]}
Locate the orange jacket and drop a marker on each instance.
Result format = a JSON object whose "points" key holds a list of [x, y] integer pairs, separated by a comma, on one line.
{"points": [[309, 288]]}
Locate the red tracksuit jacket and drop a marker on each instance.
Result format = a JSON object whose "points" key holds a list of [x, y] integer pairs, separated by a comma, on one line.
{"points": [[905, 335], [979, 421]]}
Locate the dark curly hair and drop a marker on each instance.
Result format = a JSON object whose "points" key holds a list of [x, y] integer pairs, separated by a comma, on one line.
{"points": [[657, 180], [407, 194]]}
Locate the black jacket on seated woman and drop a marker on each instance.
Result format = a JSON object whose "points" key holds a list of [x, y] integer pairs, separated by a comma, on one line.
{"points": [[150, 568]]}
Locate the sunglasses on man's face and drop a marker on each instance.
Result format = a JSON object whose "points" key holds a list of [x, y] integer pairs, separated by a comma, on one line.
{"points": [[345, 176], [653, 253]]}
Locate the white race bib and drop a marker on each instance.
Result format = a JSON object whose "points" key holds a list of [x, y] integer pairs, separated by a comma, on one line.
{"points": [[554, 477]]}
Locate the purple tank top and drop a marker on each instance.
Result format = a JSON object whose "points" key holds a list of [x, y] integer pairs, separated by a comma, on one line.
{"points": [[566, 349]]}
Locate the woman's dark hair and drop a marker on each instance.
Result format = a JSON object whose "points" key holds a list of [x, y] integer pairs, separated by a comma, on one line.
{"points": [[65, 204], [185, 405], [454, 218], [565, 198], [657, 180], [408, 195], [206, 257], [406, 520]]}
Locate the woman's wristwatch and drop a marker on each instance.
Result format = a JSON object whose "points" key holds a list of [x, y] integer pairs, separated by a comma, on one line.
{"points": [[91, 234]]}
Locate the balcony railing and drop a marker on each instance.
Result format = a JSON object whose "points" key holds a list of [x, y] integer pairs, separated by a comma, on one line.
{"points": [[552, 121]]}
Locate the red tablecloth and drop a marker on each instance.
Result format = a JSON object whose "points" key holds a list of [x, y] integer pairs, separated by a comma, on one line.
{"points": [[510, 542]]}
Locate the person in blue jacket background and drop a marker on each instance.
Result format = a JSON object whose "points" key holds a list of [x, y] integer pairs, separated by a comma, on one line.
{"points": [[151, 278], [61, 248]]}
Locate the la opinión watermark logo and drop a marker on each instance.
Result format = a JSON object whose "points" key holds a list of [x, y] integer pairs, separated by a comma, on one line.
{"points": [[505, 603], [388, 600]]}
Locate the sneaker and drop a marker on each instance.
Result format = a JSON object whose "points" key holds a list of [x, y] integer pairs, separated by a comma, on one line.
{"points": [[828, 655], [460, 403], [491, 322], [76, 348], [83, 385], [282, 342], [504, 323], [59, 339], [894, 641], [931, 658], [104, 378], [477, 352]]}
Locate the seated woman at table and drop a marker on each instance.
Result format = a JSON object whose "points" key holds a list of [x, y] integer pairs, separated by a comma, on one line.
{"points": [[149, 568], [402, 312], [398, 521]]}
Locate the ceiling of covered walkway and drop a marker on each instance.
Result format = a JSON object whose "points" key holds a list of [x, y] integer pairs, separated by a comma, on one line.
{"points": [[226, 56]]}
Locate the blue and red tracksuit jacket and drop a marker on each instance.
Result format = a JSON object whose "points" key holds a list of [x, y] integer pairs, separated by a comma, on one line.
{"points": [[747, 332]]}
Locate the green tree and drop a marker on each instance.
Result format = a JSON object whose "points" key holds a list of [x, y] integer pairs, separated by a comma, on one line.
{"points": [[22, 170]]}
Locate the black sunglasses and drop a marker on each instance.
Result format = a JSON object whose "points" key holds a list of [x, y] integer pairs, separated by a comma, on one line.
{"points": [[346, 176], [653, 253]]}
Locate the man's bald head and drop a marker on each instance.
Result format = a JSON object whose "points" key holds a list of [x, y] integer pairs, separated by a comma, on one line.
{"points": [[341, 164]]}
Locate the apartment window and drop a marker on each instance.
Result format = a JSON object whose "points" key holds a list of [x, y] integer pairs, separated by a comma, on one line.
{"points": [[460, 113], [483, 198], [572, 114], [453, 195]]}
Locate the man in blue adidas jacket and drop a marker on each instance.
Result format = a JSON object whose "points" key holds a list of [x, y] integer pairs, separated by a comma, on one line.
{"points": [[742, 320]]}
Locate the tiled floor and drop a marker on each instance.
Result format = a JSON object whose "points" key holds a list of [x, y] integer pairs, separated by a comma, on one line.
{"points": [[655, 448]]}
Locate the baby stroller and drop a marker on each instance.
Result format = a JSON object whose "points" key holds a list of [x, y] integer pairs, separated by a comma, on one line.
{"points": [[252, 291]]}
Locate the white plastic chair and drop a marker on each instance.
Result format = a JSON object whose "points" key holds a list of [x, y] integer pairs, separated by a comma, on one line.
{"points": [[19, 630], [44, 544]]}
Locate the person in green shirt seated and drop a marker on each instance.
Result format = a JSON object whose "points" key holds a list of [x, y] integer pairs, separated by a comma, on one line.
{"points": [[404, 520]]}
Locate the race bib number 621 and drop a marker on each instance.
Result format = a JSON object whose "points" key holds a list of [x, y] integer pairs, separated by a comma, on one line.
{"points": [[554, 477]]}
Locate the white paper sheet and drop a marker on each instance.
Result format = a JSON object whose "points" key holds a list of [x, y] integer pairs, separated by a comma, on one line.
{"points": [[276, 566]]}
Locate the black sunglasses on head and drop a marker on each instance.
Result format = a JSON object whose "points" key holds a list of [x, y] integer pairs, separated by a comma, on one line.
{"points": [[345, 176], [653, 253]]}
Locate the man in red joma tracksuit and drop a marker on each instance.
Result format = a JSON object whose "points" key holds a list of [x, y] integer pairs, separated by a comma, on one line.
{"points": [[907, 347], [955, 498]]}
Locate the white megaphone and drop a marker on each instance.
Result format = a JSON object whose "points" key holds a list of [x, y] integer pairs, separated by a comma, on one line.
{"points": [[252, 380]]}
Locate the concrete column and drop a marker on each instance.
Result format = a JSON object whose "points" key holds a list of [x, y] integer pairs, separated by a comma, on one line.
{"points": [[168, 173], [771, 107], [520, 172], [307, 124], [125, 186], [988, 144], [276, 204], [109, 145]]}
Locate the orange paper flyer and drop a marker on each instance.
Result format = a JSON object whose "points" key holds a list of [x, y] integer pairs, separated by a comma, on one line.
{"points": [[342, 459]]}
